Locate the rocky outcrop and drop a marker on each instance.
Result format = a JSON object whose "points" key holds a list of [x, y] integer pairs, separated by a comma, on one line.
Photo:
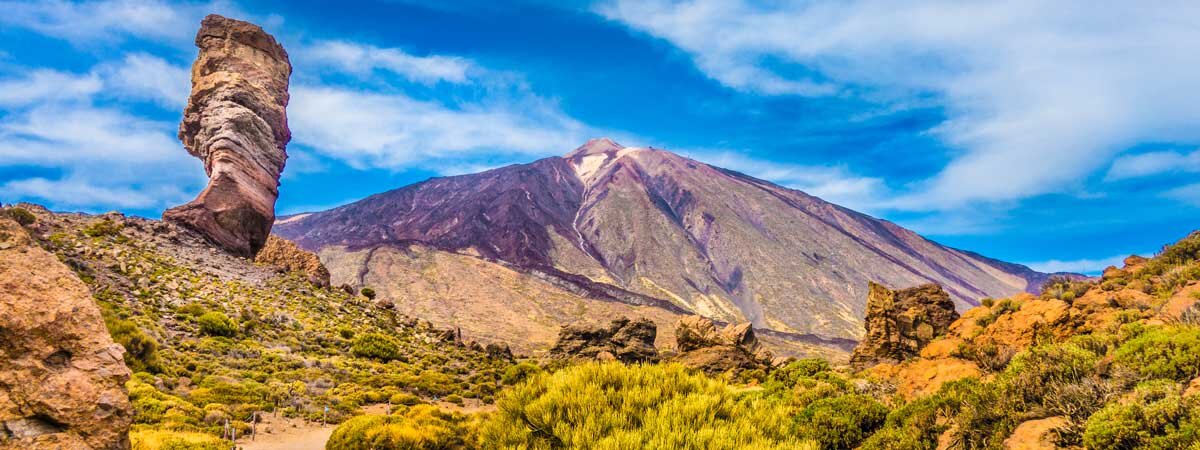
{"points": [[62, 379], [735, 347], [900, 323], [284, 254], [236, 122], [624, 340], [1039, 434]]}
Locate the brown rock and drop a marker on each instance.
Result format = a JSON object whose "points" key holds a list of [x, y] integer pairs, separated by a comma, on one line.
{"points": [[623, 340], [900, 323], [1035, 434], [236, 122], [62, 379], [920, 377], [282, 253], [734, 347]]}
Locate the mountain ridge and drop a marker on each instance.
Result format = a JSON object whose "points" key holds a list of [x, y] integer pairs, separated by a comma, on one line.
{"points": [[712, 241]]}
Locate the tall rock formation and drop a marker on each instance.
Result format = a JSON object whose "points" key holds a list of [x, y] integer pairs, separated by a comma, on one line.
{"points": [[733, 348], [900, 323], [236, 122], [62, 379]]}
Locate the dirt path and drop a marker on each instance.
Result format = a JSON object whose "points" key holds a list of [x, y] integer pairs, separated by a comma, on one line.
{"points": [[298, 434], [288, 434]]}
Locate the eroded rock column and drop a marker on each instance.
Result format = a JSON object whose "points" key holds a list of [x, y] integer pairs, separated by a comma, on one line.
{"points": [[236, 122]]}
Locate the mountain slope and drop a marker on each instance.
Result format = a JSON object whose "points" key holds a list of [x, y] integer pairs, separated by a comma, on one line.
{"points": [[709, 240]]}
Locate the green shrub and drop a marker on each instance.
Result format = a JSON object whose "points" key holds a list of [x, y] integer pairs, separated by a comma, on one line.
{"points": [[376, 346], [141, 351], [151, 439], [421, 427], [22, 216], [1171, 352], [369, 293], [613, 406], [103, 227], [216, 323], [519, 372], [1157, 418], [840, 422]]}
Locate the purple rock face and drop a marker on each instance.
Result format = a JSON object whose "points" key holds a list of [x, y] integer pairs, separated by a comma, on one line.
{"points": [[707, 240]]}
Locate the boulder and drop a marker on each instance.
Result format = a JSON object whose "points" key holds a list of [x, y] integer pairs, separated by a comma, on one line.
{"points": [[1037, 434], [900, 323], [623, 340], [286, 255], [735, 347], [62, 379], [236, 122]]}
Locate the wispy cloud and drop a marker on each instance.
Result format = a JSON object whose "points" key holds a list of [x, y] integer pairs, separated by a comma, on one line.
{"points": [[393, 131], [1153, 163], [831, 183], [140, 76], [104, 22], [1038, 95], [363, 60], [1085, 266]]}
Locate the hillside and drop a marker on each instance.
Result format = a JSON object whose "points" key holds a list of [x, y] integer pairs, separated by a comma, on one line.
{"points": [[212, 337], [705, 239]]}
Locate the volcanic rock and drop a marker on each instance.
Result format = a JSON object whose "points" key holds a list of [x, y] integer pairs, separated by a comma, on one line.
{"points": [[734, 347], [900, 323], [622, 340], [236, 122], [62, 379], [284, 254]]}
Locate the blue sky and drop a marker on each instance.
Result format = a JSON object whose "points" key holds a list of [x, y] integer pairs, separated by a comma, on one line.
{"points": [[1059, 134]]}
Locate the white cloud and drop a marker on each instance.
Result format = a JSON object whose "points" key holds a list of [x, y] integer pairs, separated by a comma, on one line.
{"points": [[393, 131], [361, 59], [1189, 194], [141, 76], [103, 21], [1153, 163], [831, 183], [1085, 266], [1038, 94], [47, 85], [104, 157]]}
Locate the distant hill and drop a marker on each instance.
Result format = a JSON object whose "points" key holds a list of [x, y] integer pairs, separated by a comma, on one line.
{"points": [[654, 228]]}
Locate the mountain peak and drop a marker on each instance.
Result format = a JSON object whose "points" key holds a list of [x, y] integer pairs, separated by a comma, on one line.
{"points": [[595, 147]]}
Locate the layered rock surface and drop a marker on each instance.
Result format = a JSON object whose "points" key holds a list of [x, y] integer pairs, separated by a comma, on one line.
{"points": [[628, 341], [62, 379], [733, 348], [236, 122], [899, 323]]}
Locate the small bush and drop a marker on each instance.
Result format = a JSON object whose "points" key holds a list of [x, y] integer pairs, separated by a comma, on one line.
{"points": [[423, 427], [215, 323], [1168, 352], [519, 372], [376, 346], [369, 293], [103, 227], [841, 422], [150, 439], [22, 216], [1157, 418]]}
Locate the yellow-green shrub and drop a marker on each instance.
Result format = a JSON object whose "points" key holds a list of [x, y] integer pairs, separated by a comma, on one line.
{"points": [[420, 427], [151, 439], [613, 406]]}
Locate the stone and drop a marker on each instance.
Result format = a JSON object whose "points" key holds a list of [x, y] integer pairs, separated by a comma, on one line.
{"points": [[713, 351], [1036, 434], [236, 122], [624, 340], [62, 378], [286, 255], [899, 323]]}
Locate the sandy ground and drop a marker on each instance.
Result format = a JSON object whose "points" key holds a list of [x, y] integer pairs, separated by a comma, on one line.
{"points": [[288, 434], [297, 434]]}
